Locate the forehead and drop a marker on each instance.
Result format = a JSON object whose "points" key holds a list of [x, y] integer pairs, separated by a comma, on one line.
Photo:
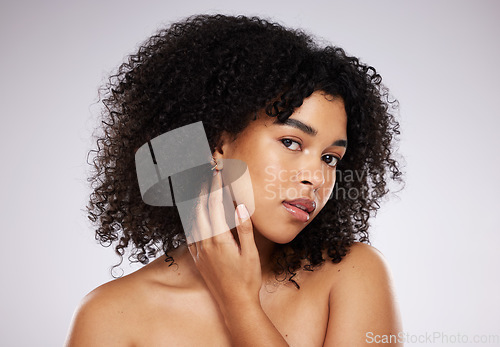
{"points": [[321, 113]]}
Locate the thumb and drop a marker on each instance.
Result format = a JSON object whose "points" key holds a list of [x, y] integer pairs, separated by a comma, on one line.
{"points": [[245, 230]]}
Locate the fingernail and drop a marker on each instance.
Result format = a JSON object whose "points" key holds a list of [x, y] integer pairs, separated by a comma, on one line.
{"points": [[242, 212]]}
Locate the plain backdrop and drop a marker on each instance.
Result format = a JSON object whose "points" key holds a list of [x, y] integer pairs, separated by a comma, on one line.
{"points": [[439, 235]]}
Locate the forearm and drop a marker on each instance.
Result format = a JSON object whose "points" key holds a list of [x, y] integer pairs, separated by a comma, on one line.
{"points": [[249, 325]]}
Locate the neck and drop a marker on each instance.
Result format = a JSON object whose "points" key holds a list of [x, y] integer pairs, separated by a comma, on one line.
{"points": [[265, 247]]}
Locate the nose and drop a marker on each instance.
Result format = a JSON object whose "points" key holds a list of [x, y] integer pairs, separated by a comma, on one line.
{"points": [[312, 175]]}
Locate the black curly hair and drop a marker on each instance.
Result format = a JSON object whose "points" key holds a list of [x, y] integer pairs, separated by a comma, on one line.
{"points": [[222, 70]]}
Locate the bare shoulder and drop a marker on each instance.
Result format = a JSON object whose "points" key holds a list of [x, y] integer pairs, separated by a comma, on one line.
{"points": [[360, 257], [363, 255], [100, 319], [362, 298], [364, 272], [120, 312]]}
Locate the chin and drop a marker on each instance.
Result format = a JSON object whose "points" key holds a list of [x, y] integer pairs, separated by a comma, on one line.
{"points": [[283, 240], [280, 236], [279, 228]]}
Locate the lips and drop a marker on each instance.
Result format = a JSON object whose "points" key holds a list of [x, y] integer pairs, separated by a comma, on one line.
{"points": [[306, 205]]}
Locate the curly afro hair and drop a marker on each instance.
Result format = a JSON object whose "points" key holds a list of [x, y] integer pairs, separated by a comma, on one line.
{"points": [[221, 70]]}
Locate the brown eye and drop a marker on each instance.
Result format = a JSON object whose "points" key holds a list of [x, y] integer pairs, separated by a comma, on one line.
{"points": [[331, 160], [291, 144]]}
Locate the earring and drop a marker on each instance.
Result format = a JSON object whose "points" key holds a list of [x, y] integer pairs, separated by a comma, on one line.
{"points": [[218, 164]]}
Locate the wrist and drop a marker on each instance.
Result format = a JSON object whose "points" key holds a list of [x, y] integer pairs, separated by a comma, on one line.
{"points": [[235, 307]]}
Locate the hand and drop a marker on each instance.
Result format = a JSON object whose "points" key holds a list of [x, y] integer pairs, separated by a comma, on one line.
{"points": [[231, 272]]}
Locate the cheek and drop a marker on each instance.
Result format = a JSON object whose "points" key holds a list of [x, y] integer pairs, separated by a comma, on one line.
{"points": [[325, 193], [266, 183], [324, 196], [236, 174]]}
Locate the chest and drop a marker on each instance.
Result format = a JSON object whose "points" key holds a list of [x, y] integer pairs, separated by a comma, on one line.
{"points": [[301, 316]]}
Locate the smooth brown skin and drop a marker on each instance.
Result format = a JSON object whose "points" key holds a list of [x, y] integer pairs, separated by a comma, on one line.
{"points": [[221, 296]]}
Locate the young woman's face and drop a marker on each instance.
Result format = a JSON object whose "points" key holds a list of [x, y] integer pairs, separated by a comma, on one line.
{"points": [[291, 161]]}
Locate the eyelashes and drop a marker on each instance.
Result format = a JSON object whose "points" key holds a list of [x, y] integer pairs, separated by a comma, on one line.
{"points": [[289, 142], [330, 159]]}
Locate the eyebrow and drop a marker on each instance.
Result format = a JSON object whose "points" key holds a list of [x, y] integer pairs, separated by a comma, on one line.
{"points": [[308, 130]]}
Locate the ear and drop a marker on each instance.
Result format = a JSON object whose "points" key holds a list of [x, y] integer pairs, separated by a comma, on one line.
{"points": [[223, 148]]}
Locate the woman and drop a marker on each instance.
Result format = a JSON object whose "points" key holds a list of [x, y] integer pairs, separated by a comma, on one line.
{"points": [[314, 127]]}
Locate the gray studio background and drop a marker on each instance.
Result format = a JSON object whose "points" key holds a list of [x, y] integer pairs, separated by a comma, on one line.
{"points": [[439, 58]]}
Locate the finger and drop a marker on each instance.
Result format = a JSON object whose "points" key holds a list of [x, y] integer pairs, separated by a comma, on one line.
{"points": [[190, 236], [245, 231], [216, 211], [201, 221], [201, 224], [193, 250]]}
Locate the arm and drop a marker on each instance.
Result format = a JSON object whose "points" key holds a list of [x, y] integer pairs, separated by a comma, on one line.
{"points": [[236, 295], [249, 325], [231, 272], [96, 322], [363, 310]]}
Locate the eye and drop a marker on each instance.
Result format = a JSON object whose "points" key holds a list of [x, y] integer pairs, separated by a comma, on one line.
{"points": [[290, 144], [331, 160]]}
